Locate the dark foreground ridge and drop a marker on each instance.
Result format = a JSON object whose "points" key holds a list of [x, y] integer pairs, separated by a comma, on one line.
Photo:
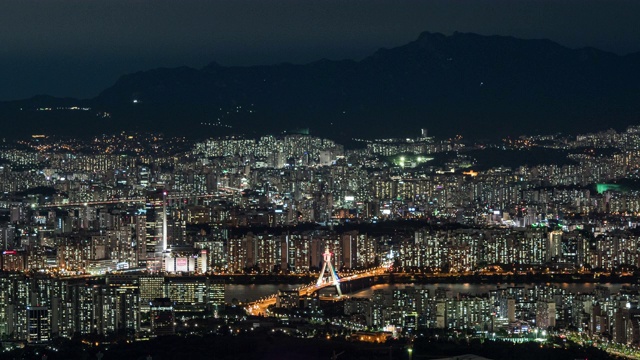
{"points": [[263, 345]]}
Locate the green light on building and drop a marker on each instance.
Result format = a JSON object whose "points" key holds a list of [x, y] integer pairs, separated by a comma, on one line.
{"points": [[601, 188]]}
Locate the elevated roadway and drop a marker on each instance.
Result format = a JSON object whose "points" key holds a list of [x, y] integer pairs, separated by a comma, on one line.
{"points": [[260, 306]]}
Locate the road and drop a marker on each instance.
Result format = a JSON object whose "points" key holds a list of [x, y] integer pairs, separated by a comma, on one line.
{"points": [[260, 307]]}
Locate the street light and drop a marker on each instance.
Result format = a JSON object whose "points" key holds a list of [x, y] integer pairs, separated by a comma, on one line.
{"points": [[410, 351]]}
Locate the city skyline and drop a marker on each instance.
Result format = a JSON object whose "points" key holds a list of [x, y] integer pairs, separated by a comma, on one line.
{"points": [[361, 179], [140, 236]]}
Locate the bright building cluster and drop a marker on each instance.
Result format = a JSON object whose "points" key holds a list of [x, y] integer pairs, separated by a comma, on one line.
{"points": [[133, 232]]}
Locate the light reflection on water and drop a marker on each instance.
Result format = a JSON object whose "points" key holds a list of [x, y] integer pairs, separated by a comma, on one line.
{"points": [[477, 289], [254, 292]]}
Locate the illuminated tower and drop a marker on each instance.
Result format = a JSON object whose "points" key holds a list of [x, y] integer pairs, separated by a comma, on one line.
{"points": [[164, 221], [328, 266]]}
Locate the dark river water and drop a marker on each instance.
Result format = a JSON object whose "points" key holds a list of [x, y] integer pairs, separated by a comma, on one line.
{"points": [[254, 292]]}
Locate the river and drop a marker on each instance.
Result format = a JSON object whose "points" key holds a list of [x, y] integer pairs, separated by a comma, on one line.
{"points": [[254, 292]]}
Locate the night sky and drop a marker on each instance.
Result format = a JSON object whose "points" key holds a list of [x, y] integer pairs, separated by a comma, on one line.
{"points": [[79, 47]]}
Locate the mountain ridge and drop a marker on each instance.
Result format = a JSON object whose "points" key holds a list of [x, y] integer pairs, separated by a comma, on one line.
{"points": [[482, 86]]}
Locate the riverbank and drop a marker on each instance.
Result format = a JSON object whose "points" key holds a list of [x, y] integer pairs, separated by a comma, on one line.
{"points": [[404, 278], [419, 278]]}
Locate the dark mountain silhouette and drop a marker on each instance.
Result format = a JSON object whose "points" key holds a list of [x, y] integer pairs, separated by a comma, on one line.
{"points": [[478, 86]]}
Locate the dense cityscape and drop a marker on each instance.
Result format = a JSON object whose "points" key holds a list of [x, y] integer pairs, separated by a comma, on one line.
{"points": [[319, 179], [138, 236]]}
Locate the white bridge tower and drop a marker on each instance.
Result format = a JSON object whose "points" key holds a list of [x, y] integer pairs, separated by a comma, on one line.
{"points": [[333, 276]]}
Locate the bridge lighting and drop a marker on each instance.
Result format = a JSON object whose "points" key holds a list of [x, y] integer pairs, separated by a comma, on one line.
{"points": [[328, 266]]}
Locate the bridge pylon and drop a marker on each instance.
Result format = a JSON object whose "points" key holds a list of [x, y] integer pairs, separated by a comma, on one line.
{"points": [[333, 276]]}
